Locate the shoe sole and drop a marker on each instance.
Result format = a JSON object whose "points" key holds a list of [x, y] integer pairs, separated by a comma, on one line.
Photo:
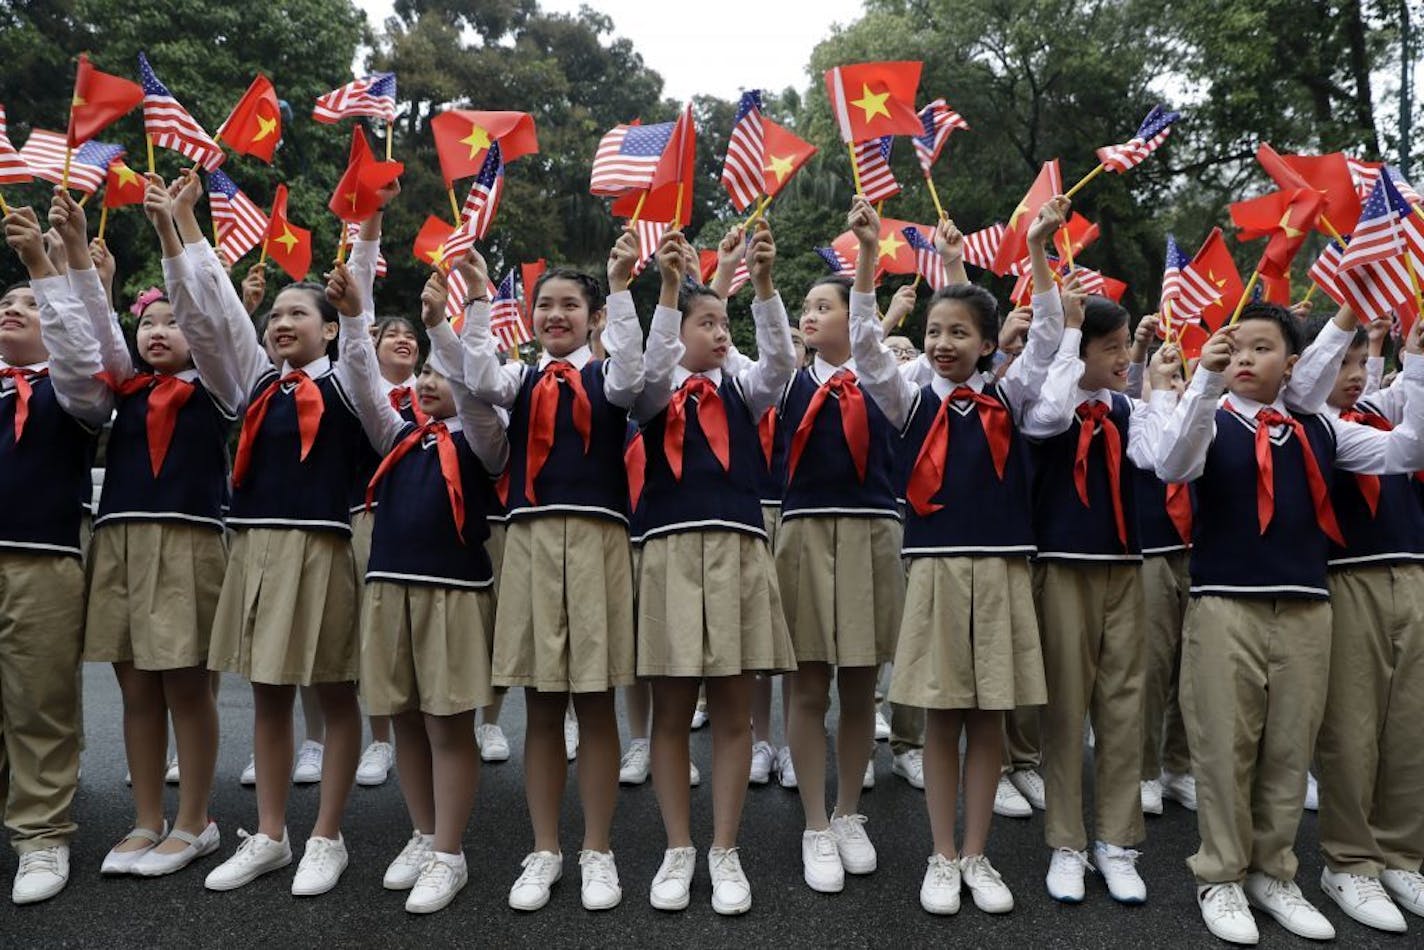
{"points": [[38, 898], [908, 781], [824, 888], [860, 869], [371, 782], [1065, 898], [1285, 926], [1005, 813], [595, 908], [307, 892], [939, 911], [992, 909], [630, 782], [234, 885], [1238, 941], [494, 758], [733, 910], [304, 781], [397, 886], [789, 786], [1189, 806], [671, 905], [201, 853], [441, 904], [753, 780]]}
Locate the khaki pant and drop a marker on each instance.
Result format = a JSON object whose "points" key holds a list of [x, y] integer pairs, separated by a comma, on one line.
{"points": [[41, 634], [1165, 583], [1023, 748], [1254, 675], [1370, 753], [907, 728], [1090, 617]]}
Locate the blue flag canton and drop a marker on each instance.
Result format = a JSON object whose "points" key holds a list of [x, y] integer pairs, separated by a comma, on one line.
{"points": [[98, 154], [885, 142], [917, 240], [832, 258], [1157, 120], [222, 184], [646, 140], [1176, 257], [1384, 200], [150, 82], [751, 100], [505, 290], [383, 85], [927, 123], [492, 168]]}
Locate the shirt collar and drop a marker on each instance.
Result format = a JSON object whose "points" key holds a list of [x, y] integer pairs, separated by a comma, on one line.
{"points": [[823, 371], [187, 375], [315, 369], [578, 358], [943, 387], [1248, 407], [387, 385], [452, 423], [31, 367], [1103, 396], [681, 374]]}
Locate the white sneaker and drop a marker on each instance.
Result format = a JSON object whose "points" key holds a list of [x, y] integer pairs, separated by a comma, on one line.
{"points": [[699, 716], [494, 747], [122, 862], [600, 888], [172, 775], [990, 893], [1030, 786], [375, 764], [910, 766], [404, 871], [634, 768], [255, 856], [1065, 875], [856, 851], [821, 862], [571, 736], [763, 758], [939, 891], [541, 870], [672, 885], [1363, 899], [156, 863], [731, 891], [1312, 792], [1008, 803], [308, 768], [1406, 887], [1152, 797], [1181, 788], [882, 726], [249, 771], [694, 777], [1284, 901], [443, 876], [1226, 914], [1118, 866], [41, 875], [867, 781], [322, 863], [785, 768]]}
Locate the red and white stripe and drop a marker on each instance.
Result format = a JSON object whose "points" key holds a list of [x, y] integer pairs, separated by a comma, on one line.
{"points": [[241, 225], [481, 205], [508, 326], [1364, 175], [13, 169], [353, 232], [615, 173], [743, 171], [650, 234], [981, 246], [1130, 154], [172, 127], [1190, 291], [43, 154], [877, 182], [1373, 291], [740, 277], [354, 99]]}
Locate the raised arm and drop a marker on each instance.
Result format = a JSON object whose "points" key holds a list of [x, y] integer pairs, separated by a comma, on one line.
{"points": [[1400, 451], [876, 366], [1313, 376], [67, 219], [664, 349], [622, 337], [357, 369], [763, 380], [1189, 430]]}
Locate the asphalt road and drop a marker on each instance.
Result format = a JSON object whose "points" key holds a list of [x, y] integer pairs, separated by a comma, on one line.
{"points": [[881, 909]]}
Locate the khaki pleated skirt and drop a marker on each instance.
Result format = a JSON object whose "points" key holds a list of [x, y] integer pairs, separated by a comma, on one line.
{"points": [[842, 588], [708, 606], [363, 522], [288, 610], [494, 547], [969, 639], [771, 520], [426, 648], [564, 621], [153, 591]]}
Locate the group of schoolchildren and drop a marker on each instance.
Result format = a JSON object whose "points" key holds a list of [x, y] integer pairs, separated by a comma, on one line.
{"points": [[1215, 583]]}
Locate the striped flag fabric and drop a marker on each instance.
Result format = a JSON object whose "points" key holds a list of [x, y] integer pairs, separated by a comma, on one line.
{"points": [[838, 264], [1150, 134], [981, 246], [1372, 275], [627, 158], [43, 155], [373, 95], [1374, 293], [872, 159], [483, 200], [240, 224], [1364, 174], [353, 231], [1188, 290], [170, 125], [939, 121], [928, 263], [1405, 189], [650, 234], [505, 320], [743, 169], [13, 170], [1377, 237]]}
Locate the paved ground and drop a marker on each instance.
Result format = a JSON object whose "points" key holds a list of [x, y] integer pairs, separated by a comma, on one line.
{"points": [[880, 909]]}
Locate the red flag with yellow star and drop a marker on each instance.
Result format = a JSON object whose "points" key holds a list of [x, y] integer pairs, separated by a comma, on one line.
{"points": [[870, 100], [1285, 217], [785, 152], [287, 244], [1014, 245], [1215, 263], [896, 254], [255, 125], [1328, 174], [463, 136], [123, 186], [357, 195], [430, 242], [99, 100]]}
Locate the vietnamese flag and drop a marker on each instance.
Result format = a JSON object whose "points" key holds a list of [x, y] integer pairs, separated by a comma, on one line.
{"points": [[871, 100], [669, 196], [462, 137], [255, 125], [896, 256], [1014, 246], [1214, 262], [357, 195], [1285, 217], [785, 152], [287, 244], [1189, 336], [1074, 236], [529, 275], [1327, 174], [123, 186], [1275, 289], [99, 100], [430, 242]]}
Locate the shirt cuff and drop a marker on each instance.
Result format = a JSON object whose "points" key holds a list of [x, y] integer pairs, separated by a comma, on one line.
{"points": [[1208, 382], [1071, 342]]}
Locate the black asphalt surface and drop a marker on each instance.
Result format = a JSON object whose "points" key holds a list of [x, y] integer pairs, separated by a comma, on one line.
{"points": [[881, 909]]}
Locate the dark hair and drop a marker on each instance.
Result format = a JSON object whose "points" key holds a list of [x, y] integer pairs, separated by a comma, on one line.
{"points": [[592, 289], [1318, 322], [422, 340], [17, 285], [1101, 316], [984, 308], [690, 293], [323, 306], [843, 284], [1281, 317]]}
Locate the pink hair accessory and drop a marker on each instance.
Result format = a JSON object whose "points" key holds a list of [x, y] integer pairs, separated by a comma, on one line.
{"points": [[145, 298]]}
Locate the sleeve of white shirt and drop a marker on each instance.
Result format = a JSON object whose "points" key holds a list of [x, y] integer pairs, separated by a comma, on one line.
{"points": [[623, 340], [113, 348], [362, 265], [1313, 376], [1135, 374], [763, 380], [1145, 430], [484, 430], [1026, 375], [661, 355], [360, 375], [918, 372], [1051, 413], [1389, 401], [447, 355], [74, 364], [875, 365], [1189, 429], [219, 331], [1359, 448], [495, 382], [1374, 374]]}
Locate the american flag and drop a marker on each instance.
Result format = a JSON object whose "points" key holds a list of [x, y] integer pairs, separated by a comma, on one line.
{"points": [[353, 231], [1371, 275], [1188, 290], [455, 298], [740, 276], [44, 152], [928, 263], [483, 200], [838, 264], [1372, 292], [627, 158], [1377, 237], [872, 158], [938, 120], [981, 246], [1405, 189], [650, 234], [1151, 133], [240, 224], [505, 320], [374, 95], [743, 171], [170, 125], [1364, 174], [13, 170]]}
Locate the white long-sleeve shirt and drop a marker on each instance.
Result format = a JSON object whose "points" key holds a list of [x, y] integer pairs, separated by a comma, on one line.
{"points": [[74, 363]]}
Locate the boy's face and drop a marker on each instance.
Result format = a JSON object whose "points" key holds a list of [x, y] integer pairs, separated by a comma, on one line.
{"points": [[20, 342], [1105, 362], [1260, 361], [705, 335], [1350, 381]]}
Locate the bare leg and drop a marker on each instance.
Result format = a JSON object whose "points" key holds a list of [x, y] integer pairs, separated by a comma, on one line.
{"points": [[146, 745], [761, 708], [489, 715], [456, 776], [545, 765], [343, 748], [639, 701], [312, 715], [942, 727], [729, 700], [189, 697], [984, 729], [674, 698], [855, 736], [380, 728], [598, 766], [272, 750], [413, 766], [806, 733]]}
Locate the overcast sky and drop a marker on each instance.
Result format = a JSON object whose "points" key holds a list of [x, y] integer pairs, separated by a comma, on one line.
{"points": [[735, 44]]}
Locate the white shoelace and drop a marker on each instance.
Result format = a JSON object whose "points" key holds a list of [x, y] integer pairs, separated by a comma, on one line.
{"points": [[1370, 889], [675, 861], [538, 868], [317, 855], [598, 868], [44, 859], [310, 755], [635, 757], [1065, 854], [415, 853], [724, 864], [248, 845], [976, 868], [851, 826], [374, 755], [1120, 861], [1227, 898], [1289, 894], [436, 874], [824, 844], [942, 870]]}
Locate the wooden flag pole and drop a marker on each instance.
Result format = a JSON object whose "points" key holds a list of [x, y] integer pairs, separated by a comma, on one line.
{"points": [[854, 168], [389, 125], [1414, 281], [85, 200], [759, 210], [214, 221], [262, 258], [676, 215], [148, 140], [341, 245], [1082, 182], [633, 223], [1068, 253], [4, 208], [103, 220], [1309, 292], [454, 204], [1245, 296], [68, 156], [935, 195]]}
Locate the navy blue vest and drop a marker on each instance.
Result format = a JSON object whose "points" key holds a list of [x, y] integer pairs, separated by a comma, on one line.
{"points": [[707, 498], [982, 515], [42, 478], [1393, 534], [1158, 532], [283, 491], [826, 481], [572, 481], [414, 540], [367, 464], [1230, 556], [192, 485], [773, 480], [1064, 527]]}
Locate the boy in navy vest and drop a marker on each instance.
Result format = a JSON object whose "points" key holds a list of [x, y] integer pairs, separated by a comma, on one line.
{"points": [[51, 404], [1256, 649]]}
